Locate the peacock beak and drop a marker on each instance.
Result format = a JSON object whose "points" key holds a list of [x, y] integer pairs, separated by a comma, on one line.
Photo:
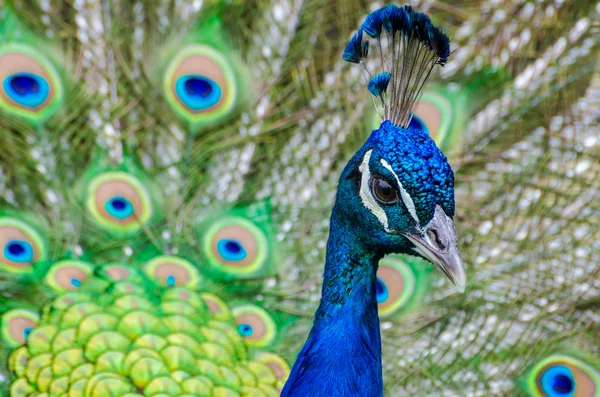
{"points": [[437, 243]]}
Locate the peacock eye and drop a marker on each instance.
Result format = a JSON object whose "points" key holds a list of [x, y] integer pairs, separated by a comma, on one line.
{"points": [[383, 191]]}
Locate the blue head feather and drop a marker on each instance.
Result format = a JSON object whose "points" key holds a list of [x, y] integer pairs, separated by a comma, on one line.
{"points": [[420, 166], [397, 188], [356, 49], [373, 23], [440, 43], [421, 26], [396, 155], [396, 19], [378, 84]]}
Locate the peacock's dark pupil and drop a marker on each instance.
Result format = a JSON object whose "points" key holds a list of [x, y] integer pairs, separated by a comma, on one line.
{"points": [[119, 204], [16, 249], [231, 250], [245, 330], [198, 87], [24, 84], [119, 207], [233, 247], [562, 384]]}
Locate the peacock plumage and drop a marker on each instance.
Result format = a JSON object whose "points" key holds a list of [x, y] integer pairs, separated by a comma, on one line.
{"points": [[168, 169]]}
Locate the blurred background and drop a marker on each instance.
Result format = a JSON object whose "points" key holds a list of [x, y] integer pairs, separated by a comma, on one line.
{"points": [[113, 162]]}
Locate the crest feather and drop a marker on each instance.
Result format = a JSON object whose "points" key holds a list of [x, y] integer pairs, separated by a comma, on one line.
{"points": [[410, 47]]}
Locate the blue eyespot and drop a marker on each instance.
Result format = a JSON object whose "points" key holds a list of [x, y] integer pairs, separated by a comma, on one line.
{"points": [[418, 124], [381, 290], [197, 92], [18, 251], [27, 89], [26, 332], [171, 280], [558, 381], [245, 330], [76, 282], [231, 250], [119, 207]]}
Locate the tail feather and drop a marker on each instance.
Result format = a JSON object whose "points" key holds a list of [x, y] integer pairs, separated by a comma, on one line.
{"points": [[228, 261]]}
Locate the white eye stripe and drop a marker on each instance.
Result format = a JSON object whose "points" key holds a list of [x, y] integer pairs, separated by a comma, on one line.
{"points": [[406, 199], [365, 193]]}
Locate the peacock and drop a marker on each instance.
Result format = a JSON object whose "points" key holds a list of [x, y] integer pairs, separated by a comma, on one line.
{"points": [[168, 170], [395, 195]]}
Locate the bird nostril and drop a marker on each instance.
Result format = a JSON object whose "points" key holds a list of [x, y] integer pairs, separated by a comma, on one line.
{"points": [[434, 237]]}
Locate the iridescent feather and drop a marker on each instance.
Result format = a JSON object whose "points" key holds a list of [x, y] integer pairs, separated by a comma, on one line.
{"points": [[515, 107]]}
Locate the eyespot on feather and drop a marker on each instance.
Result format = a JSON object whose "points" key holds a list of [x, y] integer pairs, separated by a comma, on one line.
{"points": [[18, 359], [20, 246], [118, 272], [173, 271], [395, 286], [214, 303], [17, 324], [562, 376], [200, 85], [68, 275], [280, 367], [418, 124], [30, 86], [435, 112], [119, 201], [236, 246], [255, 325]]}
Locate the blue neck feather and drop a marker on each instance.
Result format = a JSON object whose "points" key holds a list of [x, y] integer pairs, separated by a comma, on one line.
{"points": [[342, 356]]}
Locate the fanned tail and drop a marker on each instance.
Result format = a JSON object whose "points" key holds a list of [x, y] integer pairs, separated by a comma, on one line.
{"points": [[520, 95]]}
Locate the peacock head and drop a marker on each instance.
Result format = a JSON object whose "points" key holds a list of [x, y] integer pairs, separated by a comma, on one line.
{"points": [[398, 192]]}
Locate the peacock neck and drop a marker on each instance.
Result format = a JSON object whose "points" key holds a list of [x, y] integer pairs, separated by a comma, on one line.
{"points": [[350, 274], [342, 356]]}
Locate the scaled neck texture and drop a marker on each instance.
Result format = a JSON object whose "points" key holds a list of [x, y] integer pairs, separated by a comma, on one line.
{"points": [[342, 356]]}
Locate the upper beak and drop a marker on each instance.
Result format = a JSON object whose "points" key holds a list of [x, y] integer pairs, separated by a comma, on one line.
{"points": [[438, 244]]}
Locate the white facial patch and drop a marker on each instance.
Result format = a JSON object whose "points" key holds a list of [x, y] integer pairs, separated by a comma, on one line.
{"points": [[365, 193], [406, 199]]}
